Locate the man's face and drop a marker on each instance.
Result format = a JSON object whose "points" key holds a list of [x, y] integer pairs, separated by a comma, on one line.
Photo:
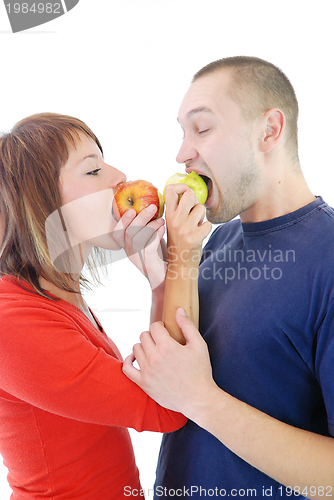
{"points": [[219, 143]]}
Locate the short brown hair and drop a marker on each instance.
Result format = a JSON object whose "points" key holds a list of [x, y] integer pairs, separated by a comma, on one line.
{"points": [[257, 86], [31, 157]]}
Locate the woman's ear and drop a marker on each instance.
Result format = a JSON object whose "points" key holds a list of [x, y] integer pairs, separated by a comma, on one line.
{"points": [[273, 126]]}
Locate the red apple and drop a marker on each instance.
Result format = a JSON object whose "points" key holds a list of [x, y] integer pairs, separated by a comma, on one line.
{"points": [[138, 195]]}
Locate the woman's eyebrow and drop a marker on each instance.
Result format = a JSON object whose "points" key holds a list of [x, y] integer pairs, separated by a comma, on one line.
{"points": [[94, 156]]}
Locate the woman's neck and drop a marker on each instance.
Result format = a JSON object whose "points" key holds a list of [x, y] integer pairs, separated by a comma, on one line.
{"points": [[74, 298]]}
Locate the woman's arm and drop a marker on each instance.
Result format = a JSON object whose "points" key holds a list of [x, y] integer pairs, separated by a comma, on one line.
{"points": [[157, 304], [185, 234], [52, 357], [144, 244], [142, 240]]}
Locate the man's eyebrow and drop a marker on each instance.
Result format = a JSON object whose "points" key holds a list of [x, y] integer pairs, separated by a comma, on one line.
{"points": [[197, 110]]}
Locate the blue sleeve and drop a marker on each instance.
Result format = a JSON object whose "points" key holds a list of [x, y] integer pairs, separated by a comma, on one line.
{"points": [[324, 363]]}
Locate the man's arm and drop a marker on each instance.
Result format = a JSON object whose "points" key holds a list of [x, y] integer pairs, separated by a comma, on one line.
{"points": [[179, 377]]}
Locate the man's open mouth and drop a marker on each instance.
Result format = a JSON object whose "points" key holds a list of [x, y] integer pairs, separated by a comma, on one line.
{"points": [[208, 183]]}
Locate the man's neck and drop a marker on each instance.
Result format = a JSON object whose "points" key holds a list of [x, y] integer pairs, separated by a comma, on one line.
{"points": [[285, 194]]}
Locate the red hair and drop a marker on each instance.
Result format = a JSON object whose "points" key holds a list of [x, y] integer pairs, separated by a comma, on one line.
{"points": [[31, 157]]}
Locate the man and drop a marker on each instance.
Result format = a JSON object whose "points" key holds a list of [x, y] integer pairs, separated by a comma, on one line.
{"points": [[262, 424]]}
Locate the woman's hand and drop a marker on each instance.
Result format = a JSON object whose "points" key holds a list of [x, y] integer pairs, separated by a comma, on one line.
{"points": [[186, 231], [142, 240]]}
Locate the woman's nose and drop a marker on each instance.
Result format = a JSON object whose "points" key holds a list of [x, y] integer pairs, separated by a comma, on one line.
{"points": [[116, 177]]}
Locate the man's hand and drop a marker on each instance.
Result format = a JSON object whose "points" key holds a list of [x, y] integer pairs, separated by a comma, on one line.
{"points": [[176, 376], [179, 377]]}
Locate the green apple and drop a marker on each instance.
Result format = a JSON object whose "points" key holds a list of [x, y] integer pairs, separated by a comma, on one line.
{"points": [[194, 181]]}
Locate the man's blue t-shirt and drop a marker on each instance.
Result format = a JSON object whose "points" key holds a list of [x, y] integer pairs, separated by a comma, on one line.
{"points": [[267, 314]]}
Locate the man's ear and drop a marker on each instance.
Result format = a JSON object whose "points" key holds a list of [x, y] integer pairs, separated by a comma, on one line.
{"points": [[273, 125]]}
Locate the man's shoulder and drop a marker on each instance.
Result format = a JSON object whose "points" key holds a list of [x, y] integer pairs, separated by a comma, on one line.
{"points": [[227, 228], [224, 233], [321, 224], [327, 211]]}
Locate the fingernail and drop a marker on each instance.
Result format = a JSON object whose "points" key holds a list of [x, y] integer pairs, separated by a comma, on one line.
{"points": [[182, 311], [152, 208], [130, 213]]}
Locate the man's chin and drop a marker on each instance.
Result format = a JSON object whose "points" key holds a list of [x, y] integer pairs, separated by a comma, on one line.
{"points": [[220, 215]]}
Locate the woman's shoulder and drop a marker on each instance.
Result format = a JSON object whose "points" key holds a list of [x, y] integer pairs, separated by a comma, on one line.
{"points": [[23, 310], [14, 290], [18, 300]]}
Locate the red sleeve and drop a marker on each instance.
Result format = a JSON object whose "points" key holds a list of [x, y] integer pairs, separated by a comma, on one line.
{"points": [[48, 359]]}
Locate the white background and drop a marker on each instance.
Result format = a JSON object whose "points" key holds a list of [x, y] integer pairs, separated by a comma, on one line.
{"points": [[123, 67]]}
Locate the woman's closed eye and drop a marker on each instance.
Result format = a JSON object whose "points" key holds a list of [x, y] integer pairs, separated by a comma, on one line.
{"points": [[94, 172]]}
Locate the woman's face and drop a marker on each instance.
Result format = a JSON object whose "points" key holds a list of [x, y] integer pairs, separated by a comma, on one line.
{"points": [[87, 188]]}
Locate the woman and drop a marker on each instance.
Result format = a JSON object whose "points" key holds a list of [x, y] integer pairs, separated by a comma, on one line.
{"points": [[64, 402]]}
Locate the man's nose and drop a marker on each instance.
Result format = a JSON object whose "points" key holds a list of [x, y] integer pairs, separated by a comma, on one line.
{"points": [[187, 152]]}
